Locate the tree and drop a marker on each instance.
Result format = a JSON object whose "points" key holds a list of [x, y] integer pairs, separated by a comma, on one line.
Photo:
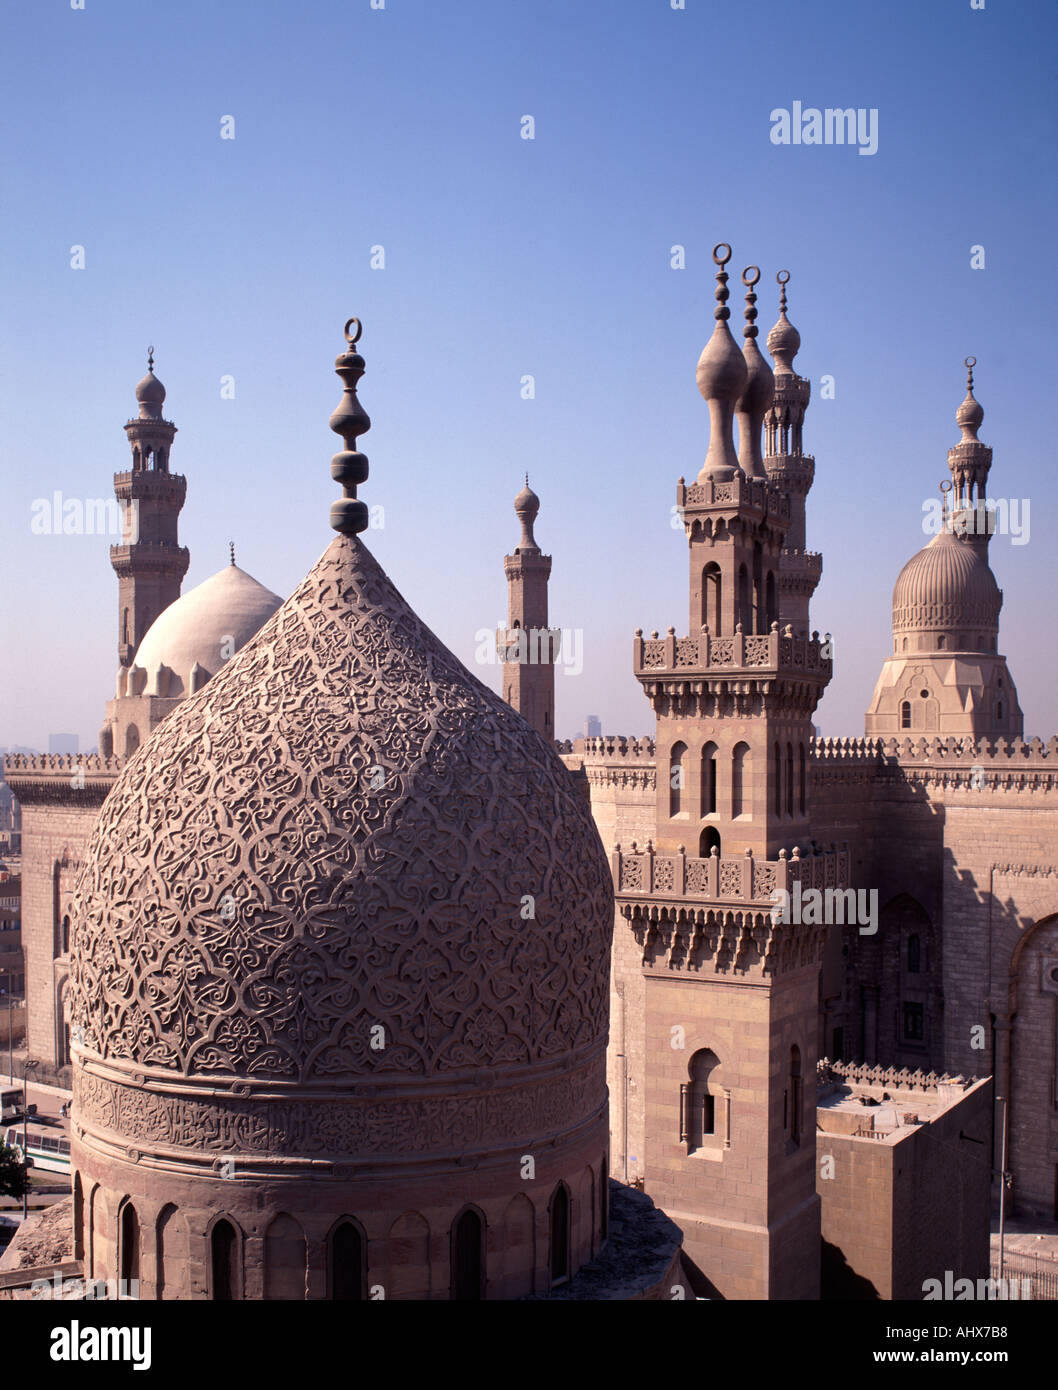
{"points": [[14, 1172]]}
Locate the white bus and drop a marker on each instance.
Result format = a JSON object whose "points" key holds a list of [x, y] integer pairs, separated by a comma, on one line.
{"points": [[49, 1153]]}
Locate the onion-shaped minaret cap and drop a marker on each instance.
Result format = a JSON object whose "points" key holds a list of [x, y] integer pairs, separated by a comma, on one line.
{"points": [[759, 392], [150, 392], [721, 367], [526, 507], [350, 419], [784, 341], [721, 380], [970, 414]]}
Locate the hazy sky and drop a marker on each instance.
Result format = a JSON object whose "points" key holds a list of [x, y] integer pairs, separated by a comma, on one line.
{"points": [[401, 127]]}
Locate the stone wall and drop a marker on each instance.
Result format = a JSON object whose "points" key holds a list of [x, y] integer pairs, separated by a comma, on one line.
{"points": [[899, 1211]]}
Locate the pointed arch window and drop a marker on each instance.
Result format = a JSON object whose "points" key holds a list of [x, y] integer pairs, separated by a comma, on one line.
{"points": [[677, 779], [468, 1257], [129, 1237], [905, 714], [745, 601], [346, 1265], [740, 780], [699, 1127], [223, 1246], [712, 582], [560, 1224], [914, 954], [802, 778], [709, 779], [708, 841]]}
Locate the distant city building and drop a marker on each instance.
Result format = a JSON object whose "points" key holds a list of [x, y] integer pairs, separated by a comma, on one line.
{"points": [[593, 726], [63, 743]]}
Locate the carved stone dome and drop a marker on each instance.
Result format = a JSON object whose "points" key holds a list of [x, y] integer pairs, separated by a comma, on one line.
{"points": [[339, 831], [340, 970], [203, 628], [947, 587]]}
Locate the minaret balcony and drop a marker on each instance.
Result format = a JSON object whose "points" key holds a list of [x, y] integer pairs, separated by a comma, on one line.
{"points": [[740, 494], [152, 483], [150, 557], [712, 917], [773, 653], [803, 562], [743, 880]]}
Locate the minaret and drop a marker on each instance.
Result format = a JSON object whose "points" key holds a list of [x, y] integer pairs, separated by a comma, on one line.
{"points": [[149, 562], [529, 647], [969, 462], [790, 468], [945, 675], [730, 987]]}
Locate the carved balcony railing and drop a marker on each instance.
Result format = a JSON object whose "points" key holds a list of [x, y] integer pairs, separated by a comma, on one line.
{"points": [[740, 492], [744, 879], [656, 656]]}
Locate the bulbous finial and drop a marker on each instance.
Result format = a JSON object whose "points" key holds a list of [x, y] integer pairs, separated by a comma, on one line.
{"points": [[970, 414], [526, 507], [721, 380], [150, 392], [348, 515], [784, 340], [750, 278], [722, 292], [759, 391]]}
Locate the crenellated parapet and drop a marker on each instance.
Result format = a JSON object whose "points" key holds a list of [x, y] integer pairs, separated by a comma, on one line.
{"points": [[864, 1074], [62, 778], [1010, 764]]}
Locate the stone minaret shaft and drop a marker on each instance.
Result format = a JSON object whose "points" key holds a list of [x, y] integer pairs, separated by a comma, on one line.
{"points": [[150, 563], [528, 647], [791, 469]]}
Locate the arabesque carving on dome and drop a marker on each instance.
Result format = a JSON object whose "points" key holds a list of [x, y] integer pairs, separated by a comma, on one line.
{"points": [[338, 833]]}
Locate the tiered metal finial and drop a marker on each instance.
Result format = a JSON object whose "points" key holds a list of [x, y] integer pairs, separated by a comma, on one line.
{"points": [[349, 515], [782, 279], [970, 363], [722, 293], [947, 520], [750, 276], [150, 358], [231, 548]]}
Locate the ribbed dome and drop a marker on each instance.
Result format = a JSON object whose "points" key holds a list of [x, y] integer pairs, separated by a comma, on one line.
{"points": [[205, 626], [340, 831], [947, 586]]}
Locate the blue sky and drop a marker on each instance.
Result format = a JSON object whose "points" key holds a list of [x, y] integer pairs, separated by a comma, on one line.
{"points": [[357, 127]]}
